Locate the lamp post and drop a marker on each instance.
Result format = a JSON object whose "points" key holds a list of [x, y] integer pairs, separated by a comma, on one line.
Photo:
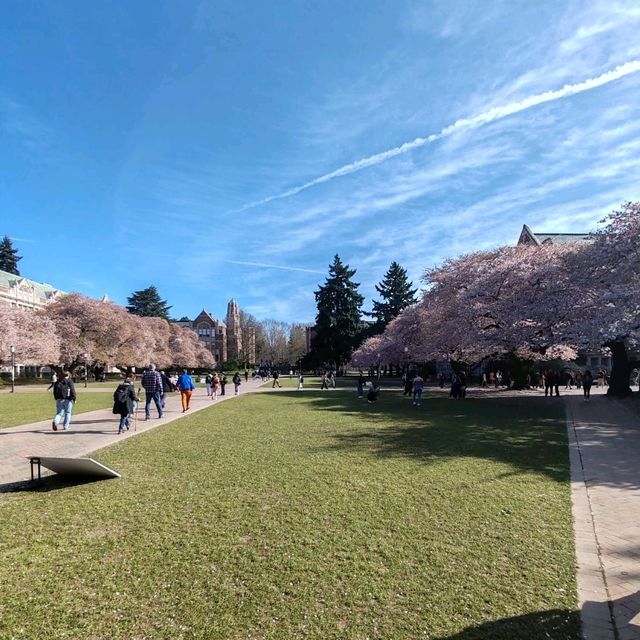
{"points": [[86, 369], [13, 369]]}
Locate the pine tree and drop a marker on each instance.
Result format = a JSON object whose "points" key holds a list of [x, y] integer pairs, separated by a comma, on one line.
{"points": [[338, 323], [9, 257], [397, 294], [147, 302]]}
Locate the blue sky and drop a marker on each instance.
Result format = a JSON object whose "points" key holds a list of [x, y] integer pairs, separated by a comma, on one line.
{"points": [[230, 149]]}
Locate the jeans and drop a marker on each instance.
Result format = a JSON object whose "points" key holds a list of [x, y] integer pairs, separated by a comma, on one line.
{"points": [[417, 396], [124, 423], [155, 396], [63, 410]]}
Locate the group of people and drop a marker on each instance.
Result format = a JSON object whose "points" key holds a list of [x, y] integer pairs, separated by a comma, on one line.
{"points": [[156, 385]]}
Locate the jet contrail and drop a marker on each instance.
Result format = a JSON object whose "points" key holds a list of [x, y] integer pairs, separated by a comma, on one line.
{"points": [[273, 266], [495, 113]]}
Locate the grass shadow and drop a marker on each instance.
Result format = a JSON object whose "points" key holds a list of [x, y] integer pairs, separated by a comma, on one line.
{"points": [[45, 484], [524, 432]]}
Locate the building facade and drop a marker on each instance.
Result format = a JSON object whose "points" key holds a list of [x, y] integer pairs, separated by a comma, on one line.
{"points": [[227, 341], [23, 293]]}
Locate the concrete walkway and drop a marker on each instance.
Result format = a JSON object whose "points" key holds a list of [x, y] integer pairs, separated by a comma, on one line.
{"points": [[604, 440], [90, 431]]}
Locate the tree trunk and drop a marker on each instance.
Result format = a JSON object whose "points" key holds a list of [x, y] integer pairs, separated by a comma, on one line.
{"points": [[620, 370]]}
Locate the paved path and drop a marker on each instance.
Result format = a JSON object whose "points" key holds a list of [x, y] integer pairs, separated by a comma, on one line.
{"points": [[89, 431], [604, 439]]}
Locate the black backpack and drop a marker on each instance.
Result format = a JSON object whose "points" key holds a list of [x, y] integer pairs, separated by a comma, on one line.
{"points": [[120, 394], [61, 390]]}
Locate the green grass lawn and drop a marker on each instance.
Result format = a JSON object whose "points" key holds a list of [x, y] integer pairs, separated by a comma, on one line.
{"points": [[308, 515], [25, 407]]}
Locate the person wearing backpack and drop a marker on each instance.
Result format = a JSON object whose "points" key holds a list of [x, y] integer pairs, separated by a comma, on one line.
{"points": [[124, 403], [236, 382], [208, 381], [64, 393]]}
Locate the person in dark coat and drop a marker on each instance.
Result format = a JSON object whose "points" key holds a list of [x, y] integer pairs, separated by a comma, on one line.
{"points": [[124, 403]]}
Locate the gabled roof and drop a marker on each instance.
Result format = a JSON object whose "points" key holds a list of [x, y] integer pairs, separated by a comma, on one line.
{"points": [[527, 236], [42, 290], [205, 315]]}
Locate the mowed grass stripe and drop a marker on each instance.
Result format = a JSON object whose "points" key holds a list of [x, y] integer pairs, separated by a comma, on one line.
{"points": [[24, 407], [306, 515]]}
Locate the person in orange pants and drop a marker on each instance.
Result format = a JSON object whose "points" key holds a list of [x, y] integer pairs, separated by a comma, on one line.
{"points": [[186, 387]]}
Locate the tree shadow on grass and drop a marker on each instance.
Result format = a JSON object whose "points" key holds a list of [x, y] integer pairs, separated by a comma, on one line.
{"points": [[525, 433], [554, 624]]}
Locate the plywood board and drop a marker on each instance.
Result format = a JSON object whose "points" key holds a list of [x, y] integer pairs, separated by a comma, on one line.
{"points": [[77, 467]]}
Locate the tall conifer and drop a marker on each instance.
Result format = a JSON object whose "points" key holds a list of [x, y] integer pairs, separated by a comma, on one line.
{"points": [[9, 257], [338, 324], [397, 293], [148, 302]]}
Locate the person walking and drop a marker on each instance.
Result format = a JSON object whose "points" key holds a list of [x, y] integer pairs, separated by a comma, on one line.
{"points": [[246, 375], [207, 381], [223, 383], [408, 383], [323, 381], [300, 382], [185, 386], [276, 375], [64, 393], [587, 381], [124, 403], [167, 386], [215, 386], [152, 384], [418, 388], [237, 381]]}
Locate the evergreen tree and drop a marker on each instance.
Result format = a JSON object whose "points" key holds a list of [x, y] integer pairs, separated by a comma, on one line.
{"points": [[397, 294], [338, 324], [148, 303], [9, 257]]}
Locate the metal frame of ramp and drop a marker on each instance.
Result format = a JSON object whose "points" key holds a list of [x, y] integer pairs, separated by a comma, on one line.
{"points": [[87, 467]]}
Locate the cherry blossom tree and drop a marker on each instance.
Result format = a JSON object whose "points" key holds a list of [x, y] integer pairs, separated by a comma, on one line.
{"points": [[606, 293], [31, 333]]}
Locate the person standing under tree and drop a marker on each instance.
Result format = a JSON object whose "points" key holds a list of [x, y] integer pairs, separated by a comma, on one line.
{"points": [[418, 388], [64, 393], [587, 381]]}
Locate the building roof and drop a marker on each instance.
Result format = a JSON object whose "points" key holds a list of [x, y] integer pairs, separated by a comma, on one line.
{"points": [[527, 236], [42, 290]]}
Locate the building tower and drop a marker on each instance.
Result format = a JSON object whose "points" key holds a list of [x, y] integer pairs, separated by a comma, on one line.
{"points": [[234, 332]]}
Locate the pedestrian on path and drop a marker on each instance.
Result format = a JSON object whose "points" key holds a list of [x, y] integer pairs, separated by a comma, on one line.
{"points": [[167, 386], [208, 381], [152, 385], [236, 382], [223, 384], [185, 386], [64, 393], [124, 403], [276, 375], [587, 381], [215, 386]]}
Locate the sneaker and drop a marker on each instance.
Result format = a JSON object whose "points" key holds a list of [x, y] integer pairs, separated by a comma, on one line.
{"points": [[54, 426]]}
